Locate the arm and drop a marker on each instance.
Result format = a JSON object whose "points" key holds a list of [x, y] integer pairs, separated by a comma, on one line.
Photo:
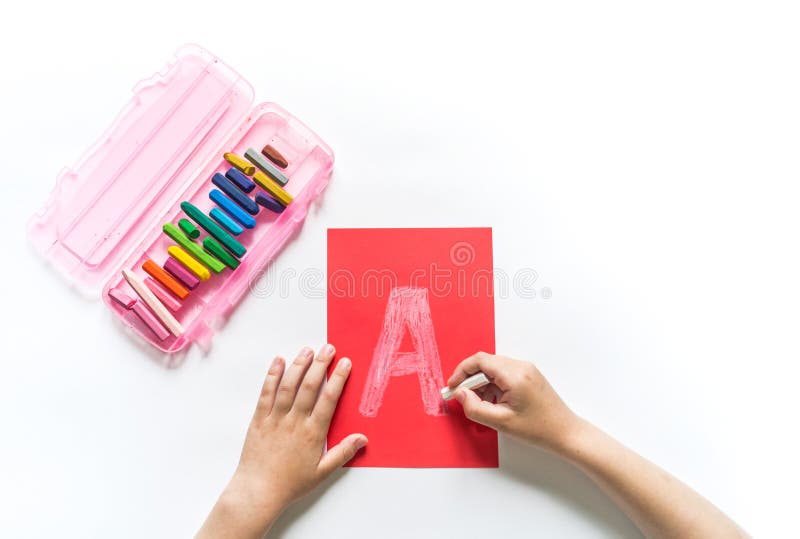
{"points": [[283, 456], [520, 402]]}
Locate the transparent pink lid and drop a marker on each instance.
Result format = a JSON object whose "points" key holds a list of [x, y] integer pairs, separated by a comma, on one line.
{"points": [[123, 187]]}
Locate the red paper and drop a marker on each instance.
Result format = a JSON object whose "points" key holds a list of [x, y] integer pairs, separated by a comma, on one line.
{"points": [[415, 302]]}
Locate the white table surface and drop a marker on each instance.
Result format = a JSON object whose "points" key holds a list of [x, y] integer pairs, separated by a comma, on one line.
{"points": [[642, 159]]}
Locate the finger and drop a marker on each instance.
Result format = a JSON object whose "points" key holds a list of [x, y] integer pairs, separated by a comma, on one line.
{"points": [[270, 387], [329, 397], [481, 362], [287, 389], [309, 388], [338, 455], [480, 411]]}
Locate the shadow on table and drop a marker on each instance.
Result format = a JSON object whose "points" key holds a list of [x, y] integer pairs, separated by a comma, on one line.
{"points": [[296, 510], [535, 469], [547, 473]]}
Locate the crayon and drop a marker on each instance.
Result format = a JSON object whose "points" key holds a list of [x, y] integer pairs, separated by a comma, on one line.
{"points": [[189, 229], [272, 188], [144, 314], [239, 163], [233, 210], [268, 168], [212, 228], [473, 382], [151, 300], [269, 202], [242, 182], [275, 156], [219, 251], [187, 263], [206, 259], [157, 272], [161, 293], [227, 187], [223, 219], [177, 270]]}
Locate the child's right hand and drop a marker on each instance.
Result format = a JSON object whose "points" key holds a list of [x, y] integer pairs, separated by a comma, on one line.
{"points": [[519, 401]]}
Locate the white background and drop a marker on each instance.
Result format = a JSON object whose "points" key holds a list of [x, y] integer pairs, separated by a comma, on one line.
{"points": [[642, 158]]}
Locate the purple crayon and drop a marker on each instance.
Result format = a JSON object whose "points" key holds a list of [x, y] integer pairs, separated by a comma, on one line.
{"points": [[227, 187], [242, 182], [269, 202]]}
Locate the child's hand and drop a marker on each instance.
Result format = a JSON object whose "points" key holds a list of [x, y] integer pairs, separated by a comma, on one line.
{"points": [[283, 456], [519, 401]]}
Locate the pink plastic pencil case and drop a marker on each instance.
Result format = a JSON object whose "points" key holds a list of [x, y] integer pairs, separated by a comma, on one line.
{"points": [[107, 212]]}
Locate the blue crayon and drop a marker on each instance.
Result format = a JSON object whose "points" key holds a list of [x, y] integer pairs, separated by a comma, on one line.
{"points": [[232, 208], [242, 182], [229, 224], [269, 202], [232, 191]]}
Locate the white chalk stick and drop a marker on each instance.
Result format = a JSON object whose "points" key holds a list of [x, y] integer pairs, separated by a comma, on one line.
{"points": [[153, 302], [473, 382]]}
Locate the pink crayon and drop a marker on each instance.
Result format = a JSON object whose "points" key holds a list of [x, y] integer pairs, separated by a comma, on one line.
{"points": [[180, 272], [141, 311], [169, 301]]}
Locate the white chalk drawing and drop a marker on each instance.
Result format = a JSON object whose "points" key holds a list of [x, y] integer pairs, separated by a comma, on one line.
{"points": [[406, 310]]}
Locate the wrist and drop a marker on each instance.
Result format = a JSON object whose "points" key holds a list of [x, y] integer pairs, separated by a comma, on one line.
{"points": [[250, 508], [555, 435], [577, 442]]}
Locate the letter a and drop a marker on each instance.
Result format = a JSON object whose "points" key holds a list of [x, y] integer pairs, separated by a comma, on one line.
{"points": [[407, 309]]}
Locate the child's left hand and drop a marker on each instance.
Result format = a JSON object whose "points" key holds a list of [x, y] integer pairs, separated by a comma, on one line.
{"points": [[283, 457]]}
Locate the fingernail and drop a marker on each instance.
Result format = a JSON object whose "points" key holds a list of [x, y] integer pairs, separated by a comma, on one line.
{"points": [[361, 442], [276, 365], [306, 351], [344, 364], [460, 395], [328, 349]]}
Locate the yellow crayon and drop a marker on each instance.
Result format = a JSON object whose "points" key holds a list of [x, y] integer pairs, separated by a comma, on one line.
{"points": [[242, 164], [191, 264], [272, 188]]}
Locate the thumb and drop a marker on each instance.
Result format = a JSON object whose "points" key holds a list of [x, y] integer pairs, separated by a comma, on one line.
{"points": [[338, 455], [478, 410]]}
